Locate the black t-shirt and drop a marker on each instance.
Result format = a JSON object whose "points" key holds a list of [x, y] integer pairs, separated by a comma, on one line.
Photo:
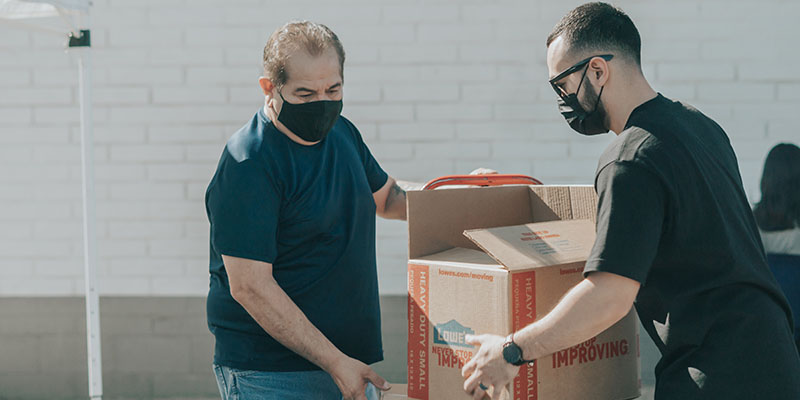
{"points": [[310, 212], [673, 215]]}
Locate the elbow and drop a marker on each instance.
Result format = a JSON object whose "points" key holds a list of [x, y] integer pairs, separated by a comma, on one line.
{"points": [[620, 309], [242, 293], [383, 213], [398, 215], [620, 304], [247, 279], [613, 310], [253, 291], [392, 211], [616, 293]]}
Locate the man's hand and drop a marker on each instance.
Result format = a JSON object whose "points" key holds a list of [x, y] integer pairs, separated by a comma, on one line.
{"points": [[488, 367], [352, 377]]}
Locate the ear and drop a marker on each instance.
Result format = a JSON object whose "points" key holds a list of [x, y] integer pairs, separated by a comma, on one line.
{"points": [[266, 85], [599, 68]]}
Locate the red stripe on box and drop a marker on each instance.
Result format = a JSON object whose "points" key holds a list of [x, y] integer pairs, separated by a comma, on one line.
{"points": [[418, 331], [523, 307]]}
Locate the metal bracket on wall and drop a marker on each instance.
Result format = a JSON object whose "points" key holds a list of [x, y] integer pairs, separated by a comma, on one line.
{"points": [[82, 40]]}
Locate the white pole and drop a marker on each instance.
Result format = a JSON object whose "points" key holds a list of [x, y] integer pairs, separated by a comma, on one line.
{"points": [[89, 227]]}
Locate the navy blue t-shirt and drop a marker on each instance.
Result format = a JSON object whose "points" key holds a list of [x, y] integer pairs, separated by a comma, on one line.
{"points": [[309, 211]]}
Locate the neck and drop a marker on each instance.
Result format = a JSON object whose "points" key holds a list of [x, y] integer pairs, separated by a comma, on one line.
{"points": [[636, 94], [283, 129]]}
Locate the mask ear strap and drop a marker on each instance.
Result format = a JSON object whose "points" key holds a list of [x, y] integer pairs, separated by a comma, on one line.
{"points": [[282, 99], [281, 96], [596, 103], [583, 76]]}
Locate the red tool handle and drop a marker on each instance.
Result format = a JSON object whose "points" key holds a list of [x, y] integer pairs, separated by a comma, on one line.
{"points": [[481, 180]]}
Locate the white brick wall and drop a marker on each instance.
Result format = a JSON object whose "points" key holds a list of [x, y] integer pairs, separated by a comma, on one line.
{"points": [[436, 87]]}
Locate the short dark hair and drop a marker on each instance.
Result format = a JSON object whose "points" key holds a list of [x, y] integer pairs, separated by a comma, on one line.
{"points": [[599, 27], [298, 35], [779, 208]]}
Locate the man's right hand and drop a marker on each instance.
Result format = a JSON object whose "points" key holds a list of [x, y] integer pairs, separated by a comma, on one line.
{"points": [[352, 377]]}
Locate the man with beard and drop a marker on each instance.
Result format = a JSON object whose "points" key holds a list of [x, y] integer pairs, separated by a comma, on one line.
{"points": [[675, 235], [293, 301]]}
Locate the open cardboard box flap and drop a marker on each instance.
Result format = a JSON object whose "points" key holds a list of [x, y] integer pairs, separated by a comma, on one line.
{"points": [[543, 244], [438, 218]]}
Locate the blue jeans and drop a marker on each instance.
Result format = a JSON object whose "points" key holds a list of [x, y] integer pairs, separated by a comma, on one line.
{"points": [[236, 384]]}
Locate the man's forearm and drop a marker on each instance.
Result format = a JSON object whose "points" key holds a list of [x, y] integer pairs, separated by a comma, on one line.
{"points": [[585, 311], [280, 317]]}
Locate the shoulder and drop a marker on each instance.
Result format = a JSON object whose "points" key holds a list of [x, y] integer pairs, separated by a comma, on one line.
{"points": [[671, 119], [690, 114], [345, 136], [634, 144], [344, 123], [636, 157], [255, 150], [346, 127], [686, 108], [249, 141]]}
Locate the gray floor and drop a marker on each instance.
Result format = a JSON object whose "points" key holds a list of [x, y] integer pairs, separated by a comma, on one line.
{"points": [[153, 348]]}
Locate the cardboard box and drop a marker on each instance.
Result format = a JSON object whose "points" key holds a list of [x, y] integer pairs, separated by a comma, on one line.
{"points": [[493, 260]]}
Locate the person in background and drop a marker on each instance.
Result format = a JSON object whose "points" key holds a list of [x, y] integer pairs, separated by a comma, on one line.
{"points": [[293, 301], [778, 218]]}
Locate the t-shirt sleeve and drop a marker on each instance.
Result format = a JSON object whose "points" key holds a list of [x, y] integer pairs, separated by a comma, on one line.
{"points": [[376, 176], [630, 218], [243, 206]]}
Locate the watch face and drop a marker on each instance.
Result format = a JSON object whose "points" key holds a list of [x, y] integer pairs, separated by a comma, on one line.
{"points": [[512, 353]]}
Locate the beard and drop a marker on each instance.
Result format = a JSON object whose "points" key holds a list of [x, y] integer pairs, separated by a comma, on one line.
{"points": [[595, 106]]}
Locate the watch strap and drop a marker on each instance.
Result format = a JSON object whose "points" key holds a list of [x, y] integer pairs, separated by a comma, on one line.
{"points": [[521, 361]]}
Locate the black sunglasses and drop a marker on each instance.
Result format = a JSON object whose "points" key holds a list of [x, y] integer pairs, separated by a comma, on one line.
{"points": [[571, 70]]}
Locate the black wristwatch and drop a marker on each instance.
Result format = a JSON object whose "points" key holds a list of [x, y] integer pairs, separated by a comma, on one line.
{"points": [[512, 353]]}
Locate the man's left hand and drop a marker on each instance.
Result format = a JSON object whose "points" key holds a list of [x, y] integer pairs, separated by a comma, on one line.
{"points": [[487, 367]]}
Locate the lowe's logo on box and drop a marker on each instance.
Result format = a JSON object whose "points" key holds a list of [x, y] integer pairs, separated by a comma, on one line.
{"points": [[451, 333]]}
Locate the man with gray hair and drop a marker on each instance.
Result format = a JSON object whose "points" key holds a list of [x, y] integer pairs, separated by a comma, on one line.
{"points": [[293, 301]]}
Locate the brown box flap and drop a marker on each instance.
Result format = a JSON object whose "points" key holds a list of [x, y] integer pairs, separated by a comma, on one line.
{"points": [[535, 245], [437, 218], [551, 203]]}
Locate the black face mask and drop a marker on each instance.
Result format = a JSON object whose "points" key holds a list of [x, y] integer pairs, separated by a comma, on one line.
{"points": [[310, 121], [582, 121]]}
